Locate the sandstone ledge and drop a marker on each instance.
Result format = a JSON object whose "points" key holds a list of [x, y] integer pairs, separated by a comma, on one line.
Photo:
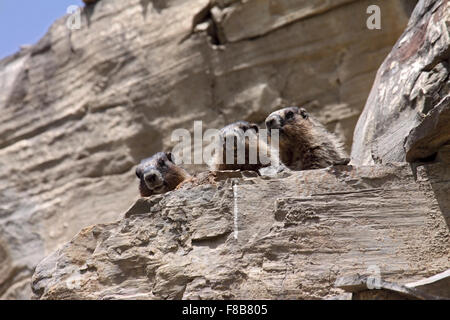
{"points": [[275, 238]]}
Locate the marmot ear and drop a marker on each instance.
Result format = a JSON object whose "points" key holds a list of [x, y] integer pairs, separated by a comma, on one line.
{"points": [[170, 157], [304, 113]]}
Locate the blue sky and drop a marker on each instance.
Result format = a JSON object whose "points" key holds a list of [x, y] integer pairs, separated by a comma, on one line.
{"points": [[26, 21]]}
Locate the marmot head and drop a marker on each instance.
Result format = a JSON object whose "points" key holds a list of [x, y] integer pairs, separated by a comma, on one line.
{"points": [[240, 136], [236, 130], [293, 123], [159, 174], [295, 131], [287, 119]]}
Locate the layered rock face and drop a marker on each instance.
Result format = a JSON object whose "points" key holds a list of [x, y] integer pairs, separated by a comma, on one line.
{"points": [[81, 107], [407, 115], [255, 238], [305, 235]]}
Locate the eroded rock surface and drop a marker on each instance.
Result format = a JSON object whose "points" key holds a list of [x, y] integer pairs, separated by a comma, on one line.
{"points": [[436, 287], [81, 107], [260, 238], [407, 115]]}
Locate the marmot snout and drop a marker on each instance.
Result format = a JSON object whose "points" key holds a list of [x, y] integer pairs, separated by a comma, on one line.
{"points": [[159, 174], [304, 143]]}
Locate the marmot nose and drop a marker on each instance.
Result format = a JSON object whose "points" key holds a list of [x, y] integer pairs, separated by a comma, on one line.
{"points": [[151, 177], [272, 122]]}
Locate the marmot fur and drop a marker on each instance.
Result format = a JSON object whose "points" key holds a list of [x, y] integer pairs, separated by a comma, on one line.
{"points": [[304, 142]]}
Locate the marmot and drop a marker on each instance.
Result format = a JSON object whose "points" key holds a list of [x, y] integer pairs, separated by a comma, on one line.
{"points": [[244, 136], [159, 174], [304, 143]]}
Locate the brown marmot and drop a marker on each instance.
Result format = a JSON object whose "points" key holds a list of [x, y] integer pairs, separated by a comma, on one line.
{"points": [[304, 143], [159, 174], [244, 138]]}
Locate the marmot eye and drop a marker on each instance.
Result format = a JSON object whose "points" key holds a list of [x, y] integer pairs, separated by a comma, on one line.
{"points": [[304, 114], [289, 115], [161, 162]]}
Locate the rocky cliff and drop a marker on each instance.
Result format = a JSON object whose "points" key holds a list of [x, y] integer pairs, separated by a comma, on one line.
{"points": [[81, 107], [407, 115], [253, 238]]}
